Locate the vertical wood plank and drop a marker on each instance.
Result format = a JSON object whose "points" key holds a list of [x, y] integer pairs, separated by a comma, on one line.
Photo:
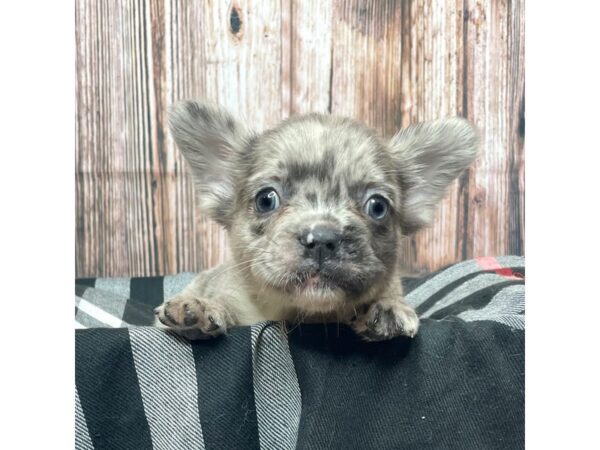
{"points": [[185, 78], [100, 173], [516, 71], [366, 62], [310, 59], [495, 83], [432, 88], [184, 35]]}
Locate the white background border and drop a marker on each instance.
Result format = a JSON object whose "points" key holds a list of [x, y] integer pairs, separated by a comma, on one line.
{"points": [[562, 145], [37, 111], [562, 170]]}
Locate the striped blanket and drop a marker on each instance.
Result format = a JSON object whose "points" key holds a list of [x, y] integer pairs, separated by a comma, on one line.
{"points": [[458, 384]]}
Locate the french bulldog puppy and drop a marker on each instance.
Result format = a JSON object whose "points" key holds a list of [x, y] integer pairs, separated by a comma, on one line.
{"points": [[314, 209]]}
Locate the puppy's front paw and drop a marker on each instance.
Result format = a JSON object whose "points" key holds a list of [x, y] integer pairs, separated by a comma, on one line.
{"points": [[384, 321], [192, 317]]}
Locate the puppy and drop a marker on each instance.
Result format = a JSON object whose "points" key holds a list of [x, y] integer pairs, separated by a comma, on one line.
{"points": [[314, 209]]}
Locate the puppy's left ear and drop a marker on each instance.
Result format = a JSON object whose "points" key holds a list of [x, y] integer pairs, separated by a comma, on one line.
{"points": [[429, 156], [211, 140]]}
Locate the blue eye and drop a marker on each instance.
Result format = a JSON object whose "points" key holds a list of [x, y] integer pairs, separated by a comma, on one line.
{"points": [[377, 207], [267, 200]]}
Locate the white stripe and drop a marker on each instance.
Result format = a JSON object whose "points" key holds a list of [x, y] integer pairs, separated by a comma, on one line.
{"points": [[276, 390], [516, 322], [99, 314], [506, 307], [79, 326], [166, 372], [82, 434]]}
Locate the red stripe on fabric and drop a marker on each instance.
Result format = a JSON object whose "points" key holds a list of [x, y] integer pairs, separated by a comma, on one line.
{"points": [[489, 263]]}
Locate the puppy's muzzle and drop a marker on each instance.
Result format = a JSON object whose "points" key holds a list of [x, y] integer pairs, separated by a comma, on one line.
{"points": [[321, 243]]}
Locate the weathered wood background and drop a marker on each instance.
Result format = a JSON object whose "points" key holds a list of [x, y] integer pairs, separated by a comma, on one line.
{"points": [[389, 63]]}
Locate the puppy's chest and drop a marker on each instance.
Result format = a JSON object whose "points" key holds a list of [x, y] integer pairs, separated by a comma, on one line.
{"points": [[274, 306], [255, 308]]}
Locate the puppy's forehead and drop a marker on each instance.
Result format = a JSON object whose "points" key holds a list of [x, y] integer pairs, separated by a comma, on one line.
{"points": [[322, 148]]}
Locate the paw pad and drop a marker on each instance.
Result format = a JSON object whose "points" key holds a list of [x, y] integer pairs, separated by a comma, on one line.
{"points": [[189, 317]]}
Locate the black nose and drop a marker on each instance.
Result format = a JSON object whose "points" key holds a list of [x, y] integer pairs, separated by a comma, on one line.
{"points": [[321, 242]]}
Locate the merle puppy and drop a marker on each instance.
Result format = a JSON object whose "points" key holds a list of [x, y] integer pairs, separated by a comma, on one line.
{"points": [[314, 209]]}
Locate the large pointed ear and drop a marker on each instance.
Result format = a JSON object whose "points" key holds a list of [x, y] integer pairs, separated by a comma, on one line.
{"points": [[210, 139], [429, 156]]}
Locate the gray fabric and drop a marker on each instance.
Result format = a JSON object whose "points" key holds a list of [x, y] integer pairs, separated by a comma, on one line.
{"points": [[167, 376], [417, 296], [174, 284], [514, 322], [109, 302], [454, 273], [82, 435], [506, 307], [478, 283], [117, 286], [97, 312], [276, 390]]}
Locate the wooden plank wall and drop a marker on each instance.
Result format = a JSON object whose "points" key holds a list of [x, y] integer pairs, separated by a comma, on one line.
{"points": [[389, 63]]}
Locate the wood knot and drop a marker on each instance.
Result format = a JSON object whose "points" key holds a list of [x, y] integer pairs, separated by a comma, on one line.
{"points": [[235, 21], [479, 197]]}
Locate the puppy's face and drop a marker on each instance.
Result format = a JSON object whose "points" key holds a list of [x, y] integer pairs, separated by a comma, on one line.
{"points": [[316, 205], [316, 211]]}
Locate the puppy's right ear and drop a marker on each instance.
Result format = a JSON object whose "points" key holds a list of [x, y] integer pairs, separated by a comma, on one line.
{"points": [[210, 138], [430, 155]]}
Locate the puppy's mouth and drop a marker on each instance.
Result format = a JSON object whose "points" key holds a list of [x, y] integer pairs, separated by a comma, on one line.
{"points": [[322, 282], [315, 281], [331, 279]]}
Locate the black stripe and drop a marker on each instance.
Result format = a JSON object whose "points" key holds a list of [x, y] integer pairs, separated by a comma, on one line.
{"points": [[409, 283], [89, 282], [438, 295], [109, 391], [225, 391], [145, 294], [138, 313], [472, 302], [455, 385], [81, 288]]}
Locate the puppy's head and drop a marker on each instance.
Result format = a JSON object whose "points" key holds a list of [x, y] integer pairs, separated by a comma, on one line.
{"points": [[315, 206]]}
